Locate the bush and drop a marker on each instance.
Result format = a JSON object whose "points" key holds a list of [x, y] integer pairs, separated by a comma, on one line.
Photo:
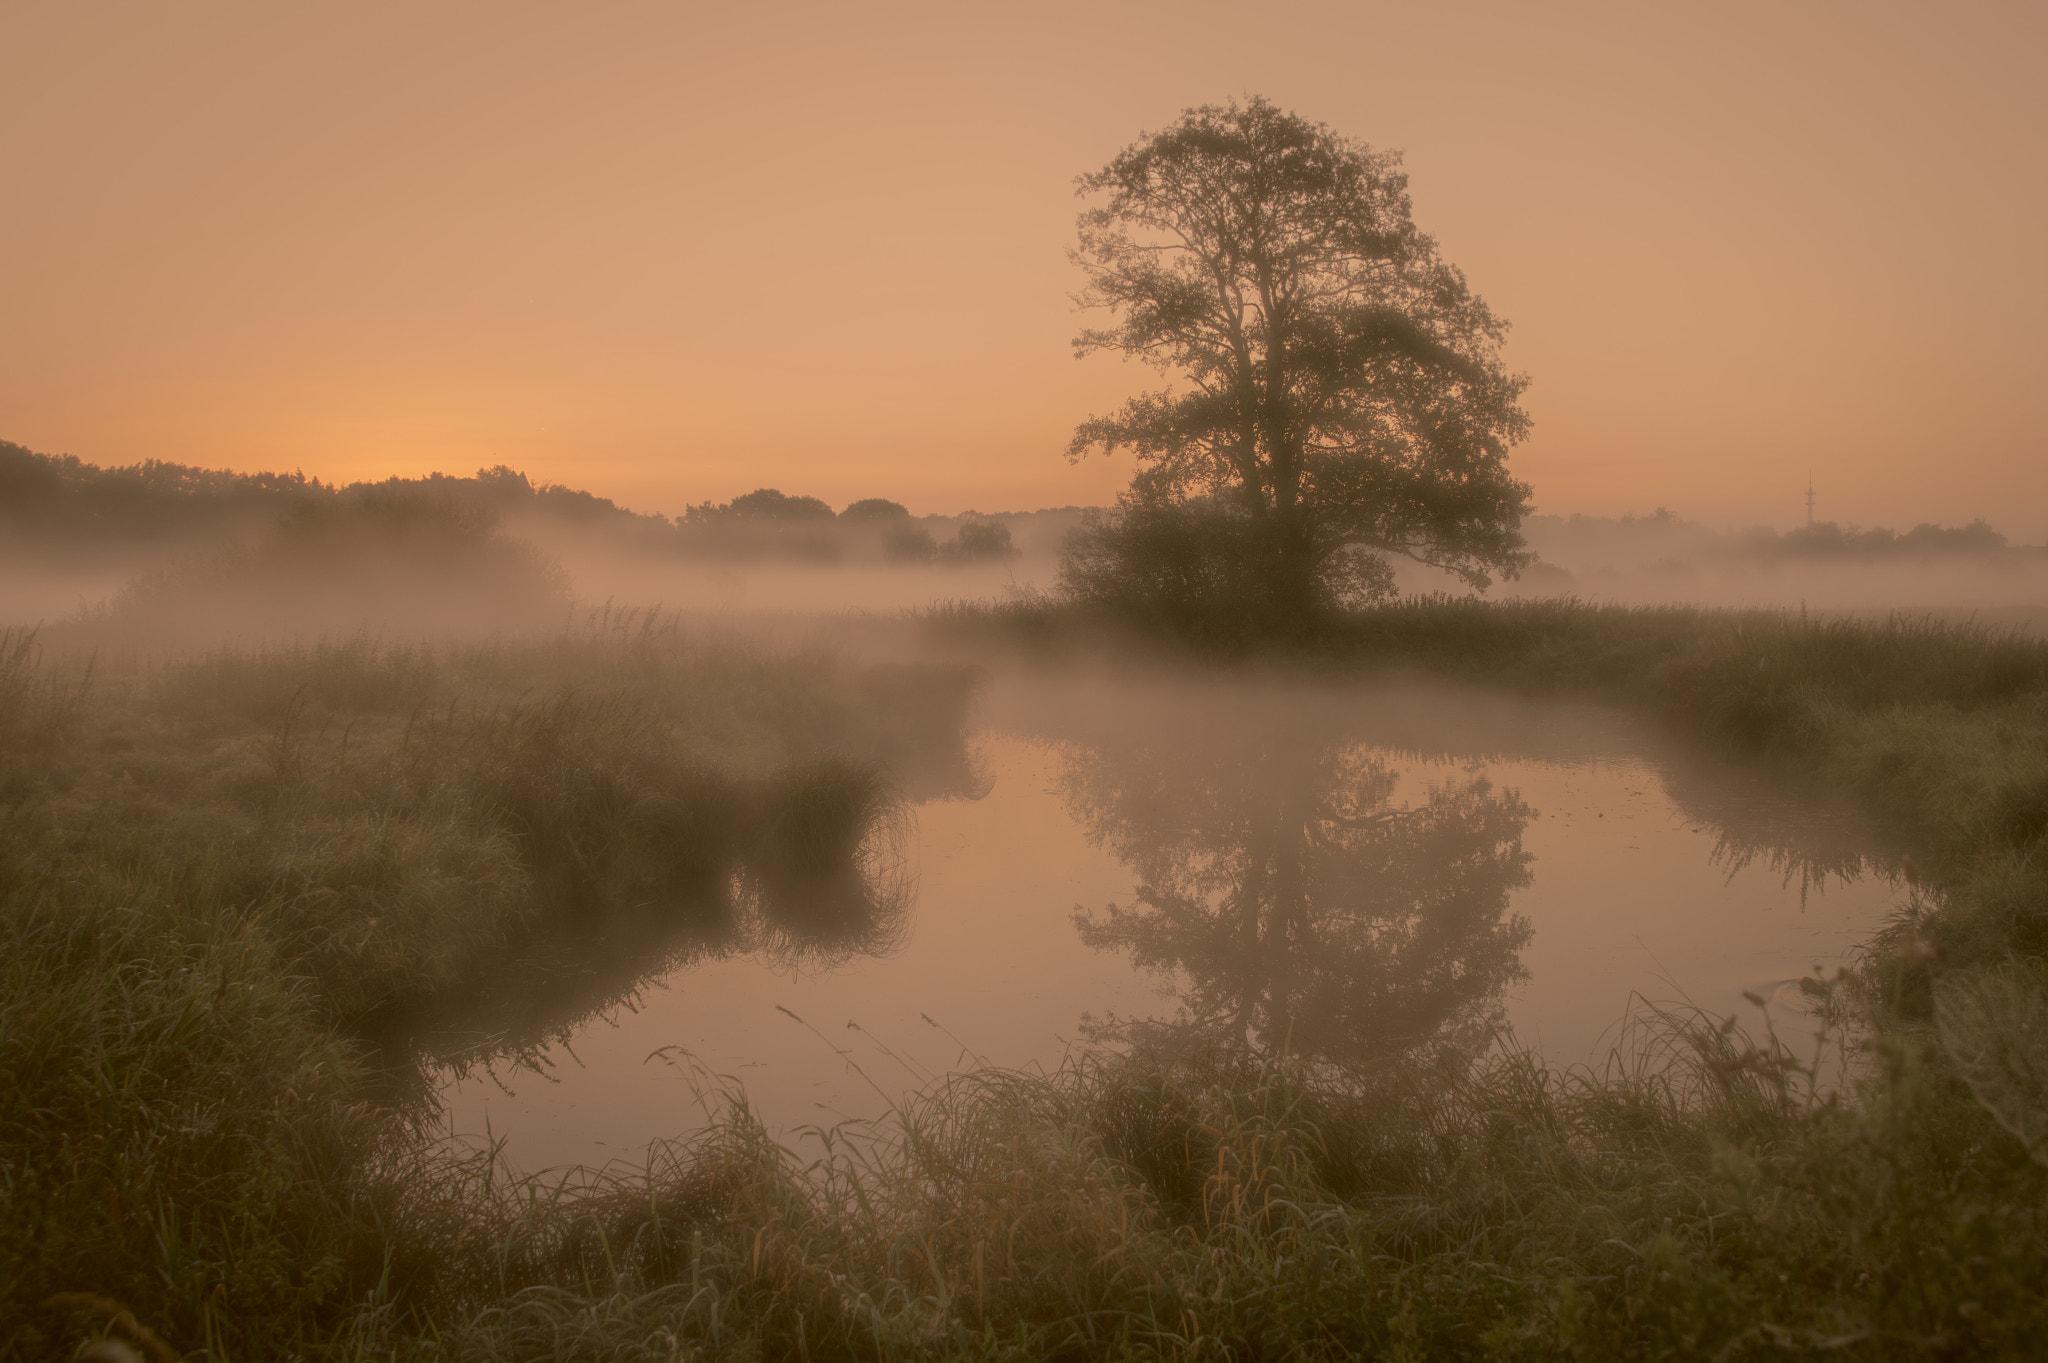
{"points": [[1204, 569]]}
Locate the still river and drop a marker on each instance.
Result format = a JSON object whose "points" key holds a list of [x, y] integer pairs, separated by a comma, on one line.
{"points": [[1341, 869]]}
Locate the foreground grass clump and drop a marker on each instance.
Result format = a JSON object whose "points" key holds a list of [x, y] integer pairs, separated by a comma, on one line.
{"points": [[1698, 1201]]}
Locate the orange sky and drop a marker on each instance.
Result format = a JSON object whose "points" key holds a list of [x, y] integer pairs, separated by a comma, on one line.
{"points": [[672, 252]]}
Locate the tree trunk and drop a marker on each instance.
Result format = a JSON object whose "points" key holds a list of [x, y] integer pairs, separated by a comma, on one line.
{"points": [[1291, 554]]}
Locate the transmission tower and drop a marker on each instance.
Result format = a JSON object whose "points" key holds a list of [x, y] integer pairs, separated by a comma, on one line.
{"points": [[1809, 499]]}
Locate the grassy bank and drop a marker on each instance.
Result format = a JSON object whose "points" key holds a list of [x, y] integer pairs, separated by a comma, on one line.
{"points": [[232, 885], [222, 874]]}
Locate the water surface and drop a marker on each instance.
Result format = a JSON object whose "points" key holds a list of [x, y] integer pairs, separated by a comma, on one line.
{"points": [[1343, 869]]}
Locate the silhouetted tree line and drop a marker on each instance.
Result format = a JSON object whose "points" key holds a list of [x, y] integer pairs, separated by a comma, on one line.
{"points": [[1663, 532], [61, 496], [49, 500], [768, 521], [1827, 538]]}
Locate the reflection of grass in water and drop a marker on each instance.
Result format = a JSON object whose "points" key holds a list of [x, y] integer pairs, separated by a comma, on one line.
{"points": [[807, 868], [829, 873]]}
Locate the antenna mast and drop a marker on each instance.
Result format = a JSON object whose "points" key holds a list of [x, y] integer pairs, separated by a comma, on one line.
{"points": [[1809, 499]]}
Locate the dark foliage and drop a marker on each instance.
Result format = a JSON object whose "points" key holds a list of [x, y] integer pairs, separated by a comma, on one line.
{"points": [[766, 504], [1203, 569], [1826, 539], [875, 510], [980, 538], [61, 499], [909, 543], [1344, 382]]}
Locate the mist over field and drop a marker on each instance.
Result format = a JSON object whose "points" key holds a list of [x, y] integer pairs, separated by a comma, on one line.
{"points": [[155, 554], [159, 553]]}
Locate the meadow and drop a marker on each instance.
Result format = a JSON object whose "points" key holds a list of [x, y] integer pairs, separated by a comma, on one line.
{"points": [[234, 877]]}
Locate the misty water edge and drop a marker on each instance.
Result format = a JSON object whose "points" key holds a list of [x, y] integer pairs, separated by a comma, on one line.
{"points": [[1348, 871]]}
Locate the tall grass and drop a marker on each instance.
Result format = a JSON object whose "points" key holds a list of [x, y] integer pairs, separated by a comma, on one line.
{"points": [[226, 865], [1700, 1199]]}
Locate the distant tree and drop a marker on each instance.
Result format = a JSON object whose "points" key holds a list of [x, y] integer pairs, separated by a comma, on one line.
{"points": [[875, 511], [1826, 538], [978, 538], [1976, 537], [1345, 395], [502, 482], [60, 498], [27, 477], [909, 542], [769, 504]]}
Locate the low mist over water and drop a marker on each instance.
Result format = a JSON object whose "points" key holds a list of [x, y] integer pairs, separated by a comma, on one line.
{"points": [[1348, 871]]}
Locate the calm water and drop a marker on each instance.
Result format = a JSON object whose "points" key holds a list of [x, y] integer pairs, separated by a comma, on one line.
{"points": [[1351, 869]]}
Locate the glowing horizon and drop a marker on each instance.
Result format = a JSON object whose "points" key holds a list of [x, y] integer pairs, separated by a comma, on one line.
{"points": [[669, 257]]}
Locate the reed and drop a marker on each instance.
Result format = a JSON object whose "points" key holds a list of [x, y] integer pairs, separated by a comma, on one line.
{"points": [[1698, 1197]]}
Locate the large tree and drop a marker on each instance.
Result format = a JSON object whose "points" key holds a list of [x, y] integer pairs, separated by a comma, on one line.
{"points": [[1343, 396]]}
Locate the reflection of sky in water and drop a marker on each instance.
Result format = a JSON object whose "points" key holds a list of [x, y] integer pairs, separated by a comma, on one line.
{"points": [[1631, 892]]}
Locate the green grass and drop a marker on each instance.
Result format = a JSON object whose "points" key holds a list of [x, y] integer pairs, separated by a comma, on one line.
{"points": [[218, 870]]}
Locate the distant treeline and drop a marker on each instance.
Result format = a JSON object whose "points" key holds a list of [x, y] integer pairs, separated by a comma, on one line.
{"points": [[1825, 538], [769, 521], [1564, 537], [55, 499], [61, 495]]}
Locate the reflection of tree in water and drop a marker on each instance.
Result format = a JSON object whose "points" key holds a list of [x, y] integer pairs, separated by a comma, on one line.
{"points": [[1294, 903]]}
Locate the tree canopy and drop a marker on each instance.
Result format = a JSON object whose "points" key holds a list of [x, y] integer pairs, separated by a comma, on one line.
{"points": [[875, 510], [1342, 396]]}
